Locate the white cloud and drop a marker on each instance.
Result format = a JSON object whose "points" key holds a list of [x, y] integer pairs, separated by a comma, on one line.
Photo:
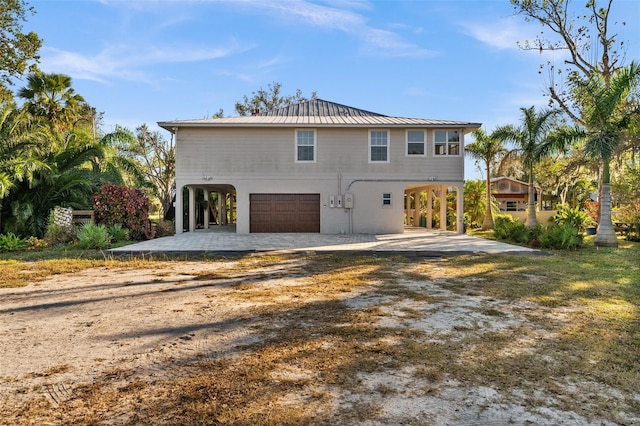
{"points": [[502, 34], [376, 40], [128, 62]]}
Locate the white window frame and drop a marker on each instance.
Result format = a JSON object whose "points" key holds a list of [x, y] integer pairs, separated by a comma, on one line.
{"points": [[447, 144], [315, 146], [424, 143], [371, 131], [387, 200]]}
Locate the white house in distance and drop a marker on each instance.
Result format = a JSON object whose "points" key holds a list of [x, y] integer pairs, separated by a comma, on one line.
{"points": [[320, 167]]}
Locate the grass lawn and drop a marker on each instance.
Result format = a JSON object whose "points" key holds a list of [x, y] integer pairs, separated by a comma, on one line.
{"points": [[365, 340]]}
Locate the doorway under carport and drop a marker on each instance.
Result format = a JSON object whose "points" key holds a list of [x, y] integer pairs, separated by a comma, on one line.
{"points": [[426, 206]]}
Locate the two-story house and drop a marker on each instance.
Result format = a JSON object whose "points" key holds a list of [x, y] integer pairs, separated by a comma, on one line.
{"points": [[319, 166]]}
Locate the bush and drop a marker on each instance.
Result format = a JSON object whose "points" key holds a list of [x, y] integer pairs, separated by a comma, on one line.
{"points": [[554, 236], [11, 242], [93, 236], [35, 243], [114, 204], [57, 234], [165, 228], [563, 237], [571, 216], [117, 233]]}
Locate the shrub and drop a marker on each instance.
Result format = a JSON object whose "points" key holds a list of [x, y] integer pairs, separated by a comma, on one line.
{"points": [[165, 228], [563, 236], [117, 233], [505, 227], [57, 234], [129, 207], [11, 242], [93, 236], [35, 243], [571, 216]]}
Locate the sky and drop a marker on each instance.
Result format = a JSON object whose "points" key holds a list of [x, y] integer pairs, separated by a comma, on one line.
{"points": [[140, 62]]}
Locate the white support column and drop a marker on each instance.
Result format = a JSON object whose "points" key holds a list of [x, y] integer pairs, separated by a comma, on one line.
{"points": [[416, 208], [232, 208], [429, 207], [206, 209], [459, 209], [192, 209], [221, 207], [179, 211], [443, 208], [407, 207]]}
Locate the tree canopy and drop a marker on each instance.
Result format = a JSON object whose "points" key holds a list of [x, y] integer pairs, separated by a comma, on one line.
{"points": [[18, 51]]}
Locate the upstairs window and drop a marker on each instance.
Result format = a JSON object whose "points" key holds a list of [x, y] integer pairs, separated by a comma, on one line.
{"points": [[305, 146], [415, 142], [386, 200], [379, 146], [447, 142]]}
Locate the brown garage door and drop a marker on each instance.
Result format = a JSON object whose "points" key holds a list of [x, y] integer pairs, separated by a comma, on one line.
{"points": [[284, 213]]}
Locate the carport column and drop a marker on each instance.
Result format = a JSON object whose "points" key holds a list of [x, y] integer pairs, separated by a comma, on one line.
{"points": [[429, 207], [231, 208], [459, 209], [206, 208], [443, 208], [407, 207], [179, 209], [192, 209], [416, 210], [221, 206]]}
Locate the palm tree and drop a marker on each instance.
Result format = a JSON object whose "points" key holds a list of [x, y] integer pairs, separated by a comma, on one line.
{"points": [[533, 140], [51, 96], [606, 114], [485, 148]]}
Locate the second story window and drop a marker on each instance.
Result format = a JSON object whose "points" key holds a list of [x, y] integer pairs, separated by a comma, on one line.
{"points": [[415, 142], [446, 142], [379, 146], [305, 146]]}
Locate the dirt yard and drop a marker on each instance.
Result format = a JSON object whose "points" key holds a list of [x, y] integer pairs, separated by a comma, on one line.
{"points": [[295, 340]]}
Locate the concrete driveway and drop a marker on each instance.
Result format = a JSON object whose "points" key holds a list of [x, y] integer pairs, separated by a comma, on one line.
{"points": [[413, 242]]}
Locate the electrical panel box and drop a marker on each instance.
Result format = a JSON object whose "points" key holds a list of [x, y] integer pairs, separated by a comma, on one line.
{"points": [[332, 201], [348, 201], [339, 201]]}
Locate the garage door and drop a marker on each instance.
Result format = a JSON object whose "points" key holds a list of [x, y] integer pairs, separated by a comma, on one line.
{"points": [[284, 213]]}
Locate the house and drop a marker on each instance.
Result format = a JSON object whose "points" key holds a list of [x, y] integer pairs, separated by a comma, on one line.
{"points": [[318, 166], [513, 195]]}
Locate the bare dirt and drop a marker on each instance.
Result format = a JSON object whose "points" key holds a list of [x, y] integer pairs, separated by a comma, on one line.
{"points": [[152, 326]]}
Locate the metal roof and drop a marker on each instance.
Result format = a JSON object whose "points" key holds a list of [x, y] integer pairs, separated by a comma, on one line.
{"points": [[316, 113]]}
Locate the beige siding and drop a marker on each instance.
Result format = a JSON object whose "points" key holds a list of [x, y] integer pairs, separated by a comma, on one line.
{"points": [[264, 152]]}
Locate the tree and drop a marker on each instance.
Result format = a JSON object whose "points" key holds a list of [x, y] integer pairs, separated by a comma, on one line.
{"points": [[158, 159], [51, 96], [607, 114], [486, 148], [533, 141], [17, 50], [575, 32], [267, 100]]}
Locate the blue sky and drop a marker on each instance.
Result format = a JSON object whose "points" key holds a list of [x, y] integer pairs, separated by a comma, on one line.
{"points": [[148, 61]]}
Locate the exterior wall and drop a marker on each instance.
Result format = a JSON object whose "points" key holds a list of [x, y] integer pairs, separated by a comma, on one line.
{"points": [[262, 160], [544, 217]]}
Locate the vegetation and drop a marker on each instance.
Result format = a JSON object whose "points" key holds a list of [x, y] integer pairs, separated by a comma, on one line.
{"points": [[340, 339], [486, 148], [268, 99], [18, 51], [118, 205]]}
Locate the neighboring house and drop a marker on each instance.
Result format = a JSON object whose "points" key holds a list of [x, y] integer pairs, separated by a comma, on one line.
{"points": [[513, 195], [320, 167]]}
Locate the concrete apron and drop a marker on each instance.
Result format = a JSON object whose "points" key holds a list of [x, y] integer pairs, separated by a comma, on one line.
{"points": [[413, 242]]}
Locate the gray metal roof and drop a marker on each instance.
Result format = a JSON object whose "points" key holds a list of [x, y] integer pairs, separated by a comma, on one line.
{"points": [[316, 113]]}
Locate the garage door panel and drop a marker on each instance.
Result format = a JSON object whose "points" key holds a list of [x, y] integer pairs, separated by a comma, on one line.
{"points": [[284, 213]]}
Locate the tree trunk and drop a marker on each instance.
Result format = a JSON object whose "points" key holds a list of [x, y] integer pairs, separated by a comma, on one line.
{"points": [[605, 235], [487, 223], [532, 221]]}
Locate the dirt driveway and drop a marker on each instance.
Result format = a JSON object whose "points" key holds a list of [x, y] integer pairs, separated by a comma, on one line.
{"points": [[288, 340]]}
